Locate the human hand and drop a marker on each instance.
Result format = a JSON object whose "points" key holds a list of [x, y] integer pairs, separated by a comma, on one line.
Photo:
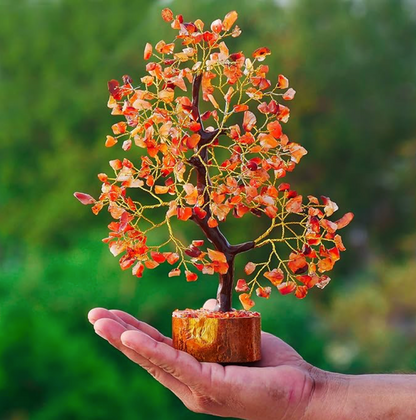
{"points": [[280, 386]]}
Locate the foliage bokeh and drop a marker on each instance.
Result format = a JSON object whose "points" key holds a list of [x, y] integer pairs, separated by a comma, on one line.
{"points": [[353, 64]]}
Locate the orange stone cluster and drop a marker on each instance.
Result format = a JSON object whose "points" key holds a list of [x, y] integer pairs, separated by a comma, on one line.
{"points": [[206, 165]]}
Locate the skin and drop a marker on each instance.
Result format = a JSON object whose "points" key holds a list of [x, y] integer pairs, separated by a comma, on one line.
{"points": [[281, 386]]}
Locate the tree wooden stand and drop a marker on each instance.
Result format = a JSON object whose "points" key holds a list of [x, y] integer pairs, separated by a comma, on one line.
{"points": [[221, 337]]}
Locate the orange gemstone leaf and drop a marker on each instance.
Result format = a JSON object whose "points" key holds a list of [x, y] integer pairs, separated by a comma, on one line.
{"points": [[296, 152], [339, 243], [294, 205], [275, 129], [308, 280], [221, 267], [166, 95], [158, 257], [151, 264], [184, 213], [194, 126], [125, 261], [193, 141], [264, 292], [261, 53], [84, 198], [271, 211], [216, 26], [249, 121], [331, 227], [345, 220], [312, 199], [286, 288], [246, 301], [201, 213], [330, 207], [208, 269], [283, 113], [275, 276], [110, 141], [242, 286], [138, 269], [216, 256], [323, 282], [167, 15], [229, 20], [191, 276], [174, 273], [116, 164], [301, 292], [97, 208], [240, 108], [161, 189], [148, 50], [119, 128], [268, 141], [171, 257], [326, 264], [249, 268], [282, 82], [297, 263], [289, 94], [212, 223]]}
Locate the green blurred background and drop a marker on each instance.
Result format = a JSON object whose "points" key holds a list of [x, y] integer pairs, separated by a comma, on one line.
{"points": [[353, 64]]}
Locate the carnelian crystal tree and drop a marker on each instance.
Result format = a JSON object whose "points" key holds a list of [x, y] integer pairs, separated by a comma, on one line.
{"points": [[213, 171]]}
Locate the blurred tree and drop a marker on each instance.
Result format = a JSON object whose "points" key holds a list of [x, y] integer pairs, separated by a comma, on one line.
{"points": [[353, 65], [374, 321], [53, 78]]}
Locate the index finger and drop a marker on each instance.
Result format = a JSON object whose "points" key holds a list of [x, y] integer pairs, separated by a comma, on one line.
{"points": [[142, 326], [128, 321], [179, 364]]}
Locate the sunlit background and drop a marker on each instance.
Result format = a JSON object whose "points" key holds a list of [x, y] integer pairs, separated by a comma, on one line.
{"points": [[353, 64]]}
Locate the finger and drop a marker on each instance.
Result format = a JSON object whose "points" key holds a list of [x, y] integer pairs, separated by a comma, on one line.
{"points": [[128, 321], [179, 364], [98, 313], [142, 326], [94, 314], [111, 331]]}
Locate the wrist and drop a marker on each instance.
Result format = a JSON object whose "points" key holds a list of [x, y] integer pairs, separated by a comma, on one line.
{"points": [[328, 396]]}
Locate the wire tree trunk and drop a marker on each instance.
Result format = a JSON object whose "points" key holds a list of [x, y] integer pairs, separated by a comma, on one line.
{"points": [[215, 236]]}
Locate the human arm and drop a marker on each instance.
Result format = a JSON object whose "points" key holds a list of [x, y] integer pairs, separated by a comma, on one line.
{"points": [[281, 386]]}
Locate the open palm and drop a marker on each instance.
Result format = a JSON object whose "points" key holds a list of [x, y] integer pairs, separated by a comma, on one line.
{"points": [[279, 386]]}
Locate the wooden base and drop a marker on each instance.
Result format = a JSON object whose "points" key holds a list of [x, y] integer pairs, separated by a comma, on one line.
{"points": [[221, 337]]}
